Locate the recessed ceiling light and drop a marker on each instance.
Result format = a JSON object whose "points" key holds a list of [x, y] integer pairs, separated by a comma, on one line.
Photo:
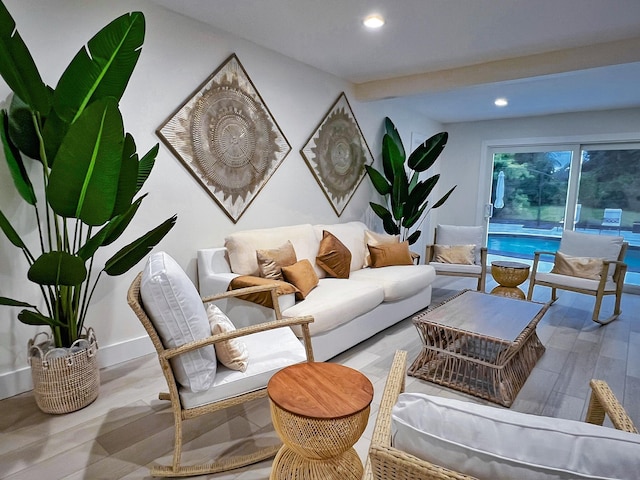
{"points": [[501, 102], [373, 21]]}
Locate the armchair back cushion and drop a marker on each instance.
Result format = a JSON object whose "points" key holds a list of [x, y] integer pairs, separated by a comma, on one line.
{"points": [[461, 235], [606, 247], [490, 442], [178, 314]]}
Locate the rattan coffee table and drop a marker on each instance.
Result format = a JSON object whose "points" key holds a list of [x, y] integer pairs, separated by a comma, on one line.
{"points": [[480, 344], [319, 411]]}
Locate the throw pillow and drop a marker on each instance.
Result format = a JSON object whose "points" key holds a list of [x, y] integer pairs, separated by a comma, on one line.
{"points": [[302, 275], [374, 238], [271, 261], [333, 257], [232, 353], [176, 311], [583, 267], [389, 254], [261, 298], [458, 254]]}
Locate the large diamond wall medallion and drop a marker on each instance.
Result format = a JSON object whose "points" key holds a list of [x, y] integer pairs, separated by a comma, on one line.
{"points": [[227, 138], [336, 154]]}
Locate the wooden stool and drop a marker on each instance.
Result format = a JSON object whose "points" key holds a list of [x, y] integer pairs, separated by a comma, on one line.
{"points": [[319, 411]]}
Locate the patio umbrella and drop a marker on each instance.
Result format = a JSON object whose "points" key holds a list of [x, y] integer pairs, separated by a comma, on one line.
{"points": [[499, 201]]}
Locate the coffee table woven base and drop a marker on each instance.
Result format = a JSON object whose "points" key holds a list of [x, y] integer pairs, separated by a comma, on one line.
{"points": [[484, 366]]}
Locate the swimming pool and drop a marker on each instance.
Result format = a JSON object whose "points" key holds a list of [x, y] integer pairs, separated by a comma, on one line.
{"points": [[523, 246]]}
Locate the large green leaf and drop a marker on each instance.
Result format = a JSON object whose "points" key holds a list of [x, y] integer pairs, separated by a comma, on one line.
{"points": [[10, 302], [413, 238], [16, 165], [131, 254], [410, 219], [392, 158], [103, 68], [57, 268], [399, 194], [85, 175], [33, 318], [426, 154], [54, 131], [18, 68], [422, 190], [382, 186], [10, 232], [22, 130], [387, 220], [392, 131], [444, 198], [128, 178], [145, 165]]}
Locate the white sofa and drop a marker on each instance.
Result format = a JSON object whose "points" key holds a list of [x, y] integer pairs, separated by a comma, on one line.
{"points": [[345, 311]]}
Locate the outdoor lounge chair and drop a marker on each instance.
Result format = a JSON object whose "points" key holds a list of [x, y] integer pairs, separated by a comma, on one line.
{"points": [[611, 219], [269, 351], [588, 264], [385, 461]]}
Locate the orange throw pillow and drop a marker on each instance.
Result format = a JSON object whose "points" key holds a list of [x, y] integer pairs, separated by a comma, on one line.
{"points": [[389, 254], [302, 275], [333, 257]]}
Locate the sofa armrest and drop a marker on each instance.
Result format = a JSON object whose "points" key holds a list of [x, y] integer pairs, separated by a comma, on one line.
{"points": [[214, 272]]}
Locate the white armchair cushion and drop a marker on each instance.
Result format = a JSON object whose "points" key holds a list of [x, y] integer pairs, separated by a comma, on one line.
{"points": [[575, 282], [579, 244], [176, 310], [489, 442], [461, 235], [269, 351], [455, 268]]}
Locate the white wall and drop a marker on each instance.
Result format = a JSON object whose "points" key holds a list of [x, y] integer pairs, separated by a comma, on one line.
{"points": [[462, 160], [178, 55]]}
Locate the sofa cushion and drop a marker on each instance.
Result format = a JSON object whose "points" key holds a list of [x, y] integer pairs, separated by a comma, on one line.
{"points": [[242, 246], [490, 442], [336, 301], [269, 352], [351, 234], [271, 261], [333, 257], [388, 254], [231, 353], [375, 238], [398, 281], [302, 276], [178, 314]]}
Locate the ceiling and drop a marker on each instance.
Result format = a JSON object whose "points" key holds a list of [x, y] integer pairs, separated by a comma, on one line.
{"points": [[451, 58]]}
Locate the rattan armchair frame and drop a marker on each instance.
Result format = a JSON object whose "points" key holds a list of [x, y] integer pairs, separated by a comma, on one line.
{"points": [[385, 462], [618, 278], [180, 414]]}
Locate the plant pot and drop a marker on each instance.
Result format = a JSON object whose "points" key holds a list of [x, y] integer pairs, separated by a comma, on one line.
{"points": [[64, 379]]}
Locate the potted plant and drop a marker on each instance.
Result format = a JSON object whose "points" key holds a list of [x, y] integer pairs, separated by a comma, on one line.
{"points": [[406, 195], [87, 194]]}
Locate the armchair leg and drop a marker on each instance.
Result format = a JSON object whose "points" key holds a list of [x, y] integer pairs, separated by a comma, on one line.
{"points": [[596, 311]]}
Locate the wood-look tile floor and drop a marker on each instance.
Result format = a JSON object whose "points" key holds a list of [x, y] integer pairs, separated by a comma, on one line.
{"points": [[127, 428]]}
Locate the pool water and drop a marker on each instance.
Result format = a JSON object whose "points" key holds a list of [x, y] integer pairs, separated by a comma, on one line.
{"points": [[523, 246]]}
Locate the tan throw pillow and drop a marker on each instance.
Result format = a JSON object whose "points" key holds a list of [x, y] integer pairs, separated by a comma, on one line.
{"points": [[389, 254], [271, 261], [232, 353], [303, 276], [373, 238], [583, 267], [333, 257], [261, 298], [458, 254]]}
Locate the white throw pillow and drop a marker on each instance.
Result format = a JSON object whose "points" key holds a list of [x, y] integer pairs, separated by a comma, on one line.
{"points": [[176, 310], [232, 353], [490, 442]]}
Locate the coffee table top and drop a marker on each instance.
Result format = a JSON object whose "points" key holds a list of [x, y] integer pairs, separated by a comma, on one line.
{"points": [[320, 390], [503, 318]]}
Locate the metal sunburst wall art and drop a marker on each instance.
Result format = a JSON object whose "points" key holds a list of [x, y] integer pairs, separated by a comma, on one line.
{"points": [[336, 154], [226, 137]]}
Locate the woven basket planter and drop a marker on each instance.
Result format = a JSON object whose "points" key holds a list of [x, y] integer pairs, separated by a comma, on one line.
{"points": [[64, 379]]}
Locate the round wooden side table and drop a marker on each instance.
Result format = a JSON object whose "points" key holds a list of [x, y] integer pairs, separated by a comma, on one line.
{"points": [[509, 276], [319, 410]]}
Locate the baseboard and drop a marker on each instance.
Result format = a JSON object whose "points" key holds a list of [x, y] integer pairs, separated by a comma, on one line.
{"points": [[19, 381]]}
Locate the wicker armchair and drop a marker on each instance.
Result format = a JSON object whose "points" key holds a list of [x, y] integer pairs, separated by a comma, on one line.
{"points": [[386, 462], [182, 413]]}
